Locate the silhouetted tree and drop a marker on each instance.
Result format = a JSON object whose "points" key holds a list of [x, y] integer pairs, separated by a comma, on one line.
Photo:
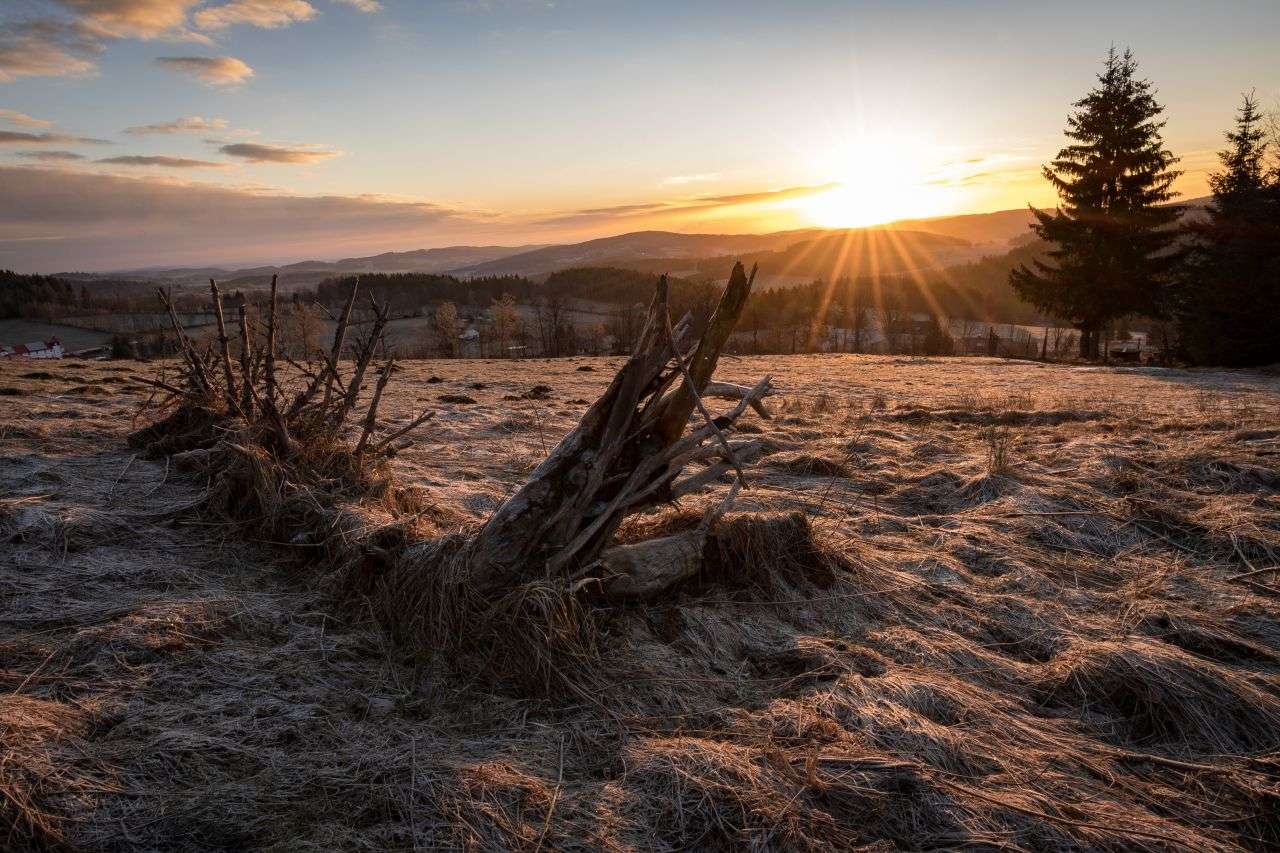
{"points": [[1230, 292], [1111, 249]]}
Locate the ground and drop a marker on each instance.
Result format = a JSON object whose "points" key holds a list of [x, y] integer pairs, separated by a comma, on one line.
{"points": [[1047, 621]]}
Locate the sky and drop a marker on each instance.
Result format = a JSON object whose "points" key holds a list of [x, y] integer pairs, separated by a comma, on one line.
{"points": [[189, 132]]}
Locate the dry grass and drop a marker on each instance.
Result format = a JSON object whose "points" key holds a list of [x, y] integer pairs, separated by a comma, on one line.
{"points": [[896, 644]]}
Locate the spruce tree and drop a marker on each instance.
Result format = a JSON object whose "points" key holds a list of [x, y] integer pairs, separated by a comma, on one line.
{"points": [[1230, 292], [1111, 238]]}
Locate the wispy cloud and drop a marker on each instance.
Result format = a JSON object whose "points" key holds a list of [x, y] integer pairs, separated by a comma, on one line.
{"points": [[161, 160], [18, 137], [47, 47], [51, 156], [69, 44], [22, 119], [267, 14], [212, 70], [676, 207], [259, 152], [186, 124], [765, 195]]}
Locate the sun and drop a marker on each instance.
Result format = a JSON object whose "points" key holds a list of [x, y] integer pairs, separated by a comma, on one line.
{"points": [[876, 181]]}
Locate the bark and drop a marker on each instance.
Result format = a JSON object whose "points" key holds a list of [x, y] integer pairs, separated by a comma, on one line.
{"points": [[623, 456]]}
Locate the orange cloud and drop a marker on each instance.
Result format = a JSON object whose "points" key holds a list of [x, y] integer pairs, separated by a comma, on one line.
{"points": [[46, 47], [267, 14], [18, 137], [22, 119], [186, 124], [161, 160], [144, 19], [258, 152], [212, 70]]}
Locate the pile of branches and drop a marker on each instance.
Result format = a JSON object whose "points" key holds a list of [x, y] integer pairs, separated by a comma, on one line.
{"points": [[272, 435], [519, 590]]}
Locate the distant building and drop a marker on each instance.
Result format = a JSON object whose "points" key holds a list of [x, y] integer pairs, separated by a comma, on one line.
{"points": [[51, 348], [1125, 351]]}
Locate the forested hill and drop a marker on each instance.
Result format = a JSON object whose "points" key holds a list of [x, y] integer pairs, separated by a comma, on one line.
{"points": [[22, 295]]}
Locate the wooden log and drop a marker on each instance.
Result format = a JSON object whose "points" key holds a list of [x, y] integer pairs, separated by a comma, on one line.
{"points": [[730, 391]]}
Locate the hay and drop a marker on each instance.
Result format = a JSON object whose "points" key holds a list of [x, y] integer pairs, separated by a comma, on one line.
{"points": [[1029, 660]]}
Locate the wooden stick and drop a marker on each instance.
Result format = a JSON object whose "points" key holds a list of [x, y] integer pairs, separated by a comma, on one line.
{"points": [[246, 361], [416, 422], [198, 373], [693, 392], [371, 419], [224, 348], [730, 391], [271, 347], [679, 404], [362, 363], [328, 375]]}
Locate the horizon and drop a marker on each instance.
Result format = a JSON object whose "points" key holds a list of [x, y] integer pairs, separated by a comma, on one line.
{"points": [[166, 133]]}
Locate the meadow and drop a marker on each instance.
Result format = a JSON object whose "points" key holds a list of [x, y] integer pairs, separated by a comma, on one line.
{"points": [[972, 602]]}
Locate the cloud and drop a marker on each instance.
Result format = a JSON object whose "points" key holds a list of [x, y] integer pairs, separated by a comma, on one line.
{"points": [[213, 70], [598, 215], [51, 156], [766, 195], [186, 124], [110, 221], [142, 19], [68, 45], [267, 14], [161, 160], [46, 47], [257, 152], [18, 137], [22, 119]]}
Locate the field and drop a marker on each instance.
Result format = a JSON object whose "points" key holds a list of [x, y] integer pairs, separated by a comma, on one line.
{"points": [[27, 331], [989, 604]]}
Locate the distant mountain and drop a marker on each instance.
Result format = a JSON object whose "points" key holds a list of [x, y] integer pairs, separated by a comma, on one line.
{"points": [[419, 260], [785, 257], [636, 247], [1001, 228]]}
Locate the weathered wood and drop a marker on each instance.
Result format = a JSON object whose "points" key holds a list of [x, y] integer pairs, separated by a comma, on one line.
{"points": [[371, 418], [730, 391], [224, 349], [195, 364], [679, 404], [624, 455], [246, 364]]}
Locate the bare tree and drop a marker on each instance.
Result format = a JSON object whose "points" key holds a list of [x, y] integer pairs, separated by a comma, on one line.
{"points": [[506, 320], [447, 325]]}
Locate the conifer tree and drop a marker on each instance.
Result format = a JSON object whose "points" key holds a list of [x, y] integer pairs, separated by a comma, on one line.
{"points": [[1111, 237], [1230, 294]]}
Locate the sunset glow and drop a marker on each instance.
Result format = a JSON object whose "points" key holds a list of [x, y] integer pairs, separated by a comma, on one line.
{"points": [[877, 181], [392, 126]]}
